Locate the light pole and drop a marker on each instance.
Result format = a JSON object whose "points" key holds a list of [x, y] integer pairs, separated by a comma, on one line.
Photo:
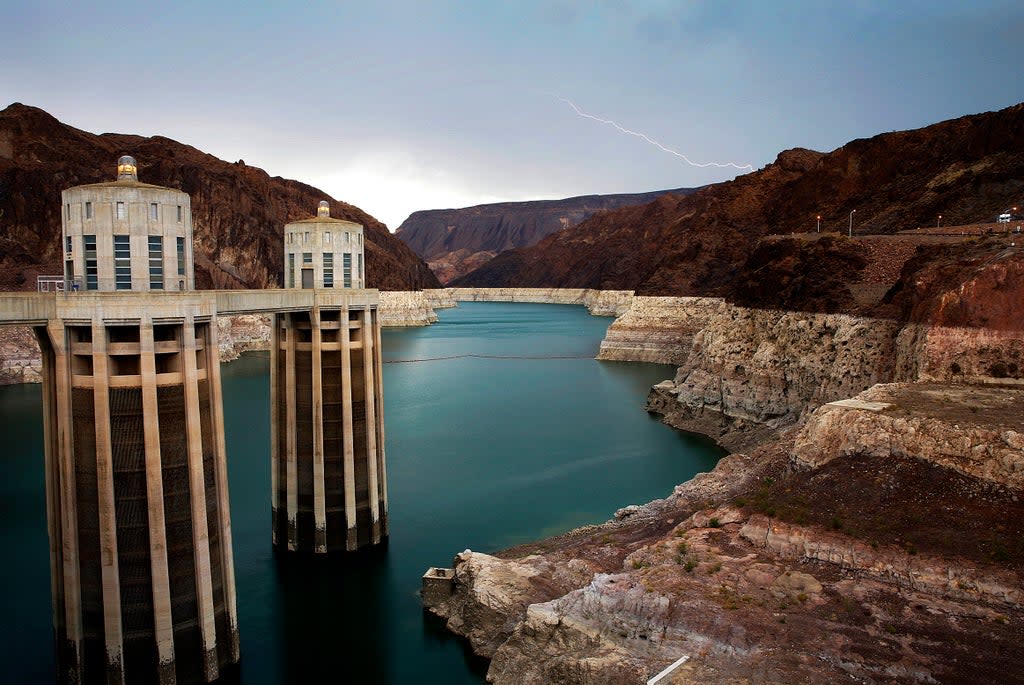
{"points": [[851, 222], [938, 222], [819, 223]]}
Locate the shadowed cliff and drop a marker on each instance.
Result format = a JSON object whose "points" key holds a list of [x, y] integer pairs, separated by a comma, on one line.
{"points": [[456, 241]]}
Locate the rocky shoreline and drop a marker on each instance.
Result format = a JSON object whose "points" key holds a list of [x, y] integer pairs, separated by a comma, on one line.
{"points": [[866, 528]]}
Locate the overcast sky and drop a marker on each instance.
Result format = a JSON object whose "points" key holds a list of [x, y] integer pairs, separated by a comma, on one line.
{"points": [[421, 105]]}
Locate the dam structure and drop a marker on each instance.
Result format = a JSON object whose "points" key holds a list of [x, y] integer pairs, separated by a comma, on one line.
{"points": [[328, 472], [141, 566]]}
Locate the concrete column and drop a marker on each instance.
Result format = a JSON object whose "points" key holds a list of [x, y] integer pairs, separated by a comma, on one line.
{"points": [[348, 454], [50, 473], [197, 492], [319, 501], [292, 466], [382, 470], [371, 425], [163, 624], [62, 509], [223, 500], [275, 403], [112, 631]]}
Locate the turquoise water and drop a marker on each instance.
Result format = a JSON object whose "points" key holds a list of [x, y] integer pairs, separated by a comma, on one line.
{"points": [[482, 453]]}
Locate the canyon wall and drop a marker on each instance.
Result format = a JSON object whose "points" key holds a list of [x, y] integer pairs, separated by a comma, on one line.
{"points": [[659, 329], [406, 308]]}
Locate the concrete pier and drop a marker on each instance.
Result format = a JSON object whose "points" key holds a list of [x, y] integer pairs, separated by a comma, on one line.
{"points": [[328, 468], [142, 572]]}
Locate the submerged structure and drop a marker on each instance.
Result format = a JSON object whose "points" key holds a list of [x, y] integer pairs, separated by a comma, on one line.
{"points": [[136, 481], [328, 467]]}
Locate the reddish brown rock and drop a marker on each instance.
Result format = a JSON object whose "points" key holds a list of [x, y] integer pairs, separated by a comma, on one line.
{"points": [[967, 169]]}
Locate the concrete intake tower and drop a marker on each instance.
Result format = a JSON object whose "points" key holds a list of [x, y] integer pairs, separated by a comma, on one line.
{"points": [[136, 482], [328, 469]]}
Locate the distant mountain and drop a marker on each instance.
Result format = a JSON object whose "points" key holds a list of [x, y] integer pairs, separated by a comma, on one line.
{"points": [[456, 241], [238, 211], [706, 243]]}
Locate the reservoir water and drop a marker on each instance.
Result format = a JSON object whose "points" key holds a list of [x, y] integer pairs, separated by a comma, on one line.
{"points": [[517, 435]]}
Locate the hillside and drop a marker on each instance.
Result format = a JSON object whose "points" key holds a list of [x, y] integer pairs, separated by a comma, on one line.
{"points": [[238, 211], [968, 169], [456, 241]]}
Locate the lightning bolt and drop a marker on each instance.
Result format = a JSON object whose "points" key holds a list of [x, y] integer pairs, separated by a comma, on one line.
{"points": [[680, 155]]}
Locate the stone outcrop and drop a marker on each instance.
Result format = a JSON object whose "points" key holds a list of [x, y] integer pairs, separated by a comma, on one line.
{"points": [[750, 371], [244, 333], [20, 361], [977, 431], [406, 308], [659, 329]]}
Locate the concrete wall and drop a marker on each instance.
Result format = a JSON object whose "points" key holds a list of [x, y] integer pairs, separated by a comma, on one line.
{"points": [[172, 220]]}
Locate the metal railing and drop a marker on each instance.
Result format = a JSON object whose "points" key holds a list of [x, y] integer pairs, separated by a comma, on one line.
{"points": [[58, 283]]}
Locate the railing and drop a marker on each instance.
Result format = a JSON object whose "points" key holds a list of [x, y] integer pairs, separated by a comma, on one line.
{"points": [[58, 284]]}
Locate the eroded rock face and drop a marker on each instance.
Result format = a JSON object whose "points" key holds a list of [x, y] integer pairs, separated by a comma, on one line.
{"points": [[243, 333], [20, 360], [754, 371], [405, 308], [975, 430], [490, 594], [658, 329]]}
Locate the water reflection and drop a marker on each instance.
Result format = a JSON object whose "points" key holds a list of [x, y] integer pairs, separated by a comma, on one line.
{"points": [[333, 611]]}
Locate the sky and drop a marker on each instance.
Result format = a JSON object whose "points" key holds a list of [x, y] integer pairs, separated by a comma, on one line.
{"points": [[402, 106]]}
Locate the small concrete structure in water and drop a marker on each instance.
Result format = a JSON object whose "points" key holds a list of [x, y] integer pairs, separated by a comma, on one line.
{"points": [[142, 574]]}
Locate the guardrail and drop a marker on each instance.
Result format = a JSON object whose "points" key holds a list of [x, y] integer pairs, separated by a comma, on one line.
{"points": [[58, 283]]}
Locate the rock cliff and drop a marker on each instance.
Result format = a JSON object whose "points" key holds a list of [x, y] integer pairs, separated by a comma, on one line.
{"points": [[238, 211], [456, 241], [705, 243], [658, 329]]}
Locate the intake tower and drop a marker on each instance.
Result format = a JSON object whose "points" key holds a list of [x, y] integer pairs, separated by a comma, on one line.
{"points": [[328, 469]]}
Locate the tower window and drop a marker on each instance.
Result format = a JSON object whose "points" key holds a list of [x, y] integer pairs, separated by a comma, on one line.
{"points": [[122, 262], [67, 212], [328, 269], [91, 277], [327, 238], [291, 269], [359, 259], [154, 211], [156, 262], [346, 270], [88, 210], [122, 212], [179, 214], [307, 257], [181, 255], [67, 244]]}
